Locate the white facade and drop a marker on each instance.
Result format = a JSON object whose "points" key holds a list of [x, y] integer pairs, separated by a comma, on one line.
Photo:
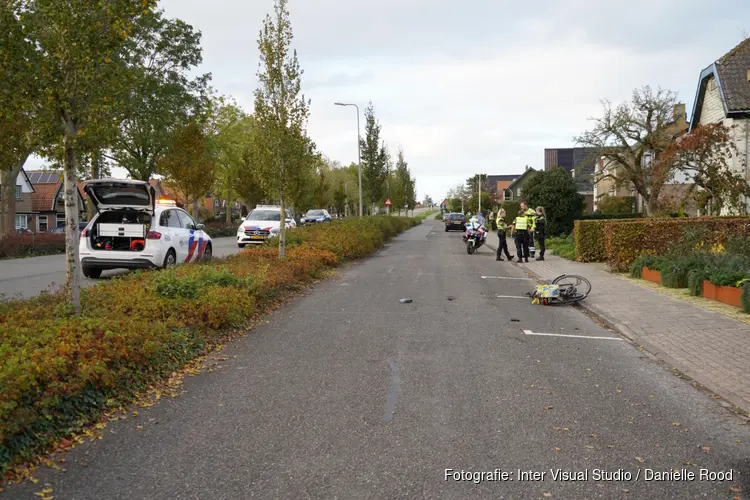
{"points": [[712, 111]]}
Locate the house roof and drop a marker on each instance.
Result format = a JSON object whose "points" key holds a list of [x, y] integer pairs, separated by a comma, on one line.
{"points": [[43, 197], [44, 177], [503, 177], [520, 178], [731, 74]]}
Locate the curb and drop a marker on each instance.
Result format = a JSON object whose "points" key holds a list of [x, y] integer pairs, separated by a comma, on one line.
{"points": [[638, 340]]}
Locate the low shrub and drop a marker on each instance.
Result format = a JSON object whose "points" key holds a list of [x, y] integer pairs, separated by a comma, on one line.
{"points": [[745, 297], [674, 273], [17, 246], [728, 270], [696, 277], [60, 371], [589, 241], [439, 216]]}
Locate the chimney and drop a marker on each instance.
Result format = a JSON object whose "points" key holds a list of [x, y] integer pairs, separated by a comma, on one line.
{"points": [[679, 112]]}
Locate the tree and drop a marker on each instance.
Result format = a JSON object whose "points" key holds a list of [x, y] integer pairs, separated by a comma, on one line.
{"points": [[161, 96], [228, 134], [187, 166], [556, 191], [401, 182], [625, 135], [281, 112], [374, 159], [85, 76], [705, 157], [20, 91]]}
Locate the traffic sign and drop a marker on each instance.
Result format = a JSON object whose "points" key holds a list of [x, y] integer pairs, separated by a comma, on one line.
{"points": [[387, 202]]}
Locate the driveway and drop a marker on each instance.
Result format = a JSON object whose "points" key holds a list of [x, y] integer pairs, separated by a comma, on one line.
{"points": [[349, 393]]}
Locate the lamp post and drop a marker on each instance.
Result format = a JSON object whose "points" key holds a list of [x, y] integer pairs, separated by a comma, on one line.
{"points": [[359, 154]]}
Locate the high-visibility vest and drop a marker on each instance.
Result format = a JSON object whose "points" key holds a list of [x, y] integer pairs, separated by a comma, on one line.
{"points": [[531, 219], [521, 223]]}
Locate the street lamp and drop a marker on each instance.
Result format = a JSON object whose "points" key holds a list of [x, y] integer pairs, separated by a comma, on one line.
{"points": [[359, 155]]}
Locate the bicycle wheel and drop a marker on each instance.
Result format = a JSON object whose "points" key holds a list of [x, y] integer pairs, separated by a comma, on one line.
{"points": [[572, 287]]}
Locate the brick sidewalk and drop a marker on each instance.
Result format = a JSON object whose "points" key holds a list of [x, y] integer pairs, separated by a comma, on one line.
{"points": [[712, 349]]}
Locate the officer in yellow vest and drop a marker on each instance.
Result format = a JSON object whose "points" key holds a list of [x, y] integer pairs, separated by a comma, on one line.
{"points": [[522, 230], [502, 228]]}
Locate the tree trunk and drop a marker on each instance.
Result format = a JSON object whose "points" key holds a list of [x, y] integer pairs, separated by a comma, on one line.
{"points": [[72, 233], [229, 207], [8, 202], [282, 216], [195, 209]]}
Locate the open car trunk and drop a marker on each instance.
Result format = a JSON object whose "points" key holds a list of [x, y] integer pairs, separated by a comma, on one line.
{"points": [[120, 230]]}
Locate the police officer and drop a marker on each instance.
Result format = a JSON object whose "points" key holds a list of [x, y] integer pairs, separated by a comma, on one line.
{"points": [[502, 227], [522, 231], [540, 230], [531, 217]]}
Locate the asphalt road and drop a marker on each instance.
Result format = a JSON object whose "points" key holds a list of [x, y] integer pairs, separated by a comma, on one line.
{"points": [[348, 393], [29, 277]]}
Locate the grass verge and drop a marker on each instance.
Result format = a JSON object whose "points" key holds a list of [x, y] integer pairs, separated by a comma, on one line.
{"points": [[564, 247], [61, 372]]}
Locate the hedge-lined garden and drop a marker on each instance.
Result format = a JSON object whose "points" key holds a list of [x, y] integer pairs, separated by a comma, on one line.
{"points": [[620, 242], [61, 372], [16, 246]]}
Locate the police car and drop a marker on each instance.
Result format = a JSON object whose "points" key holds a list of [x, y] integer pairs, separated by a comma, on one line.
{"points": [[262, 223], [134, 230]]}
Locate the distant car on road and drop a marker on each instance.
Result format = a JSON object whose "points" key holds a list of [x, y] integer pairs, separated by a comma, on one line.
{"points": [[61, 229], [454, 220], [316, 216], [261, 224]]}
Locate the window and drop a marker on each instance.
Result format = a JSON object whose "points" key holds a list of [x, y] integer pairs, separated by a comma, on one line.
{"points": [[60, 219], [19, 193], [41, 224], [186, 221], [169, 219], [518, 192], [22, 221]]}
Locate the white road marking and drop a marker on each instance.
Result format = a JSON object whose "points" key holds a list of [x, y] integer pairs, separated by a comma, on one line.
{"points": [[529, 332], [504, 278], [511, 297], [391, 269]]}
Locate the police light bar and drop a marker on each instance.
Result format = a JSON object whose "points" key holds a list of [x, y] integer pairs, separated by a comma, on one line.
{"points": [[166, 201]]}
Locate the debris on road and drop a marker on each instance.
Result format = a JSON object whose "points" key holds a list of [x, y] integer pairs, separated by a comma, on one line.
{"points": [[406, 301]]}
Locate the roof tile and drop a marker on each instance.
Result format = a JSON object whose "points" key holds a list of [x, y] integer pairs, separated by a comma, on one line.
{"points": [[733, 73]]}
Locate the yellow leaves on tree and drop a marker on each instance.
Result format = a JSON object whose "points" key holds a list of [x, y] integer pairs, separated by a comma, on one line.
{"points": [[187, 166]]}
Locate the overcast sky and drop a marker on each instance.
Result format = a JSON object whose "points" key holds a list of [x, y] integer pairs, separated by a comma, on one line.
{"points": [[467, 87]]}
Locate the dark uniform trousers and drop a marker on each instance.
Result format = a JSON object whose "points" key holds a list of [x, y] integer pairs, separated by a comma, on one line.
{"points": [[522, 244], [502, 245]]}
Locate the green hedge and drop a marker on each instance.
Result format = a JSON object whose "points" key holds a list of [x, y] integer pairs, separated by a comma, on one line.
{"points": [[589, 239], [624, 241]]}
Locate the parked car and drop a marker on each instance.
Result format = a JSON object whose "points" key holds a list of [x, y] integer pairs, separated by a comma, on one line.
{"points": [[24, 231], [61, 229], [132, 230], [316, 216], [454, 221], [262, 223]]}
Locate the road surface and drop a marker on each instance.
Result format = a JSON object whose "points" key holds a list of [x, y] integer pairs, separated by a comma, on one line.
{"points": [[29, 277], [348, 393]]}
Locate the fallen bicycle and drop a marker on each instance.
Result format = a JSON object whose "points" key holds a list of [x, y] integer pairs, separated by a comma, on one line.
{"points": [[565, 289]]}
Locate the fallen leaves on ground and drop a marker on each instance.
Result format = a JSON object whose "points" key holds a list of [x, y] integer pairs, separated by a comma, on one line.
{"points": [[548, 407], [706, 448], [641, 460], [676, 424], [558, 449]]}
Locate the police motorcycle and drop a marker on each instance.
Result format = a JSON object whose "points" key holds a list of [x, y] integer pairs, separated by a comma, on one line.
{"points": [[474, 237]]}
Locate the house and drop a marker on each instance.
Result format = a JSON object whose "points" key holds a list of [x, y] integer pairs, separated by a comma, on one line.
{"points": [[671, 193], [48, 200], [24, 211], [208, 206], [499, 184], [723, 96], [40, 201], [580, 163], [514, 191]]}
